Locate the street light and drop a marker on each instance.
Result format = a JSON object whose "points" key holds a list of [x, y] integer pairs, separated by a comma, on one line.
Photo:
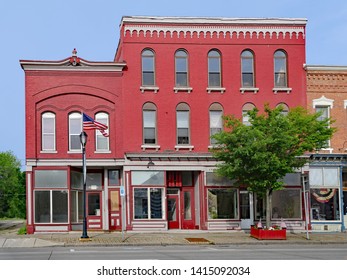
{"points": [[83, 139]]}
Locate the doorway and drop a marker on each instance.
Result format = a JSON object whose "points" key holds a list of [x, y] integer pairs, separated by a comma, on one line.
{"points": [[180, 208], [115, 207], [94, 216], [246, 206]]}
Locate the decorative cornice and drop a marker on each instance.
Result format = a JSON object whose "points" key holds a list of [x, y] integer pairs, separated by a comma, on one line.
{"points": [[216, 31], [214, 27]]}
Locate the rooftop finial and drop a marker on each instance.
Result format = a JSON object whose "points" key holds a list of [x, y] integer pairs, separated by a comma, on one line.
{"points": [[74, 52]]}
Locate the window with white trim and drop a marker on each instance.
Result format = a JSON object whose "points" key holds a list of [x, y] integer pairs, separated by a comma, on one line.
{"points": [[214, 69], [216, 121], [149, 115], [247, 68], [181, 68], [245, 109], [149, 203], [48, 131], [75, 128], [102, 142], [148, 68], [280, 69], [182, 122]]}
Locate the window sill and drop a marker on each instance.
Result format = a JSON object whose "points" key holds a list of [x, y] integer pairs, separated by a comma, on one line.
{"points": [[219, 89], [186, 89], [74, 152], [149, 88], [49, 152], [148, 147], [280, 89], [102, 152], [184, 147], [249, 89]]}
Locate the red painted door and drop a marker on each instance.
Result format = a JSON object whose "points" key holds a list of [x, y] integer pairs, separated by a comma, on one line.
{"points": [[173, 213], [187, 208], [115, 208], [94, 210]]}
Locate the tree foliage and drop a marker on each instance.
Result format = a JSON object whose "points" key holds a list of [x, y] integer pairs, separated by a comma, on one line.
{"points": [[259, 155], [12, 187]]}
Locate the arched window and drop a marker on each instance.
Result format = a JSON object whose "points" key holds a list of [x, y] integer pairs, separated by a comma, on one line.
{"points": [[216, 121], [183, 124], [181, 68], [280, 68], [247, 68], [285, 108], [245, 109], [48, 131], [102, 142], [75, 128], [149, 115], [214, 69], [148, 67]]}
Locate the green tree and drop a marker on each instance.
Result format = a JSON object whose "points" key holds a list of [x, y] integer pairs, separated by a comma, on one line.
{"points": [[259, 155], [12, 187]]}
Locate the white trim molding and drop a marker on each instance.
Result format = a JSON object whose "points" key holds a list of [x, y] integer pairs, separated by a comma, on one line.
{"points": [[323, 101]]}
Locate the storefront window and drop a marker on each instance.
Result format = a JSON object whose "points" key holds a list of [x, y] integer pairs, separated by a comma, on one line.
{"points": [[113, 177], [51, 206], [76, 180], [325, 204], [76, 206], [213, 179], [286, 204], [148, 203], [222, 203], [155, 178], [50, 179], [94, 181]]}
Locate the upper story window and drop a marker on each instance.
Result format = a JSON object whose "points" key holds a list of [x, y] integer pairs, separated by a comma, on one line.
{"points": [[285, 108], [216, 121], [247, 69], [102, 142], [148, 68], [183, 128], [280, 68], [245, 109], [181, 68], [214, 69], [48, 131], [75, 128], [149, 114]]}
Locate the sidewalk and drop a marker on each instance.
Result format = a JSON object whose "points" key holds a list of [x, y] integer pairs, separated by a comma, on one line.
{"points": [[10, 238]]}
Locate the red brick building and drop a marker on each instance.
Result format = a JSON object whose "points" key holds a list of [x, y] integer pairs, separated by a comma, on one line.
{"points": [[162, 98], [327, 93]]}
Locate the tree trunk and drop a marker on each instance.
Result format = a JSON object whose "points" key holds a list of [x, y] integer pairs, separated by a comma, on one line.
{"points": [[268, 207]]}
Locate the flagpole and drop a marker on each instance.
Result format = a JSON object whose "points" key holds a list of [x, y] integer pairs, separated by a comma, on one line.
{"points": [[83, 139]]}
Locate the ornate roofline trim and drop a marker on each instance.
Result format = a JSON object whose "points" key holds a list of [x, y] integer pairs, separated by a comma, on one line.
{"points": [[213, 20], [217, 31]]}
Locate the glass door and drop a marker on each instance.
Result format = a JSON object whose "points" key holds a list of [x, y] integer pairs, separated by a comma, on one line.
{"points": [[173, 216], [94, 213], [245, 210], [187, 210]]}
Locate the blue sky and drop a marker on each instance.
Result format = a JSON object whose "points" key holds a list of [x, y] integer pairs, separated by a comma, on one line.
{"points": [[49, 30]]}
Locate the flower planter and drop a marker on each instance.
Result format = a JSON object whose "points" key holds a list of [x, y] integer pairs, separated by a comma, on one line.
{"points": [[266, 234]]}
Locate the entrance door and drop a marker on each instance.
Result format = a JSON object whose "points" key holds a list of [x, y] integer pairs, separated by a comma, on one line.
{"points": [[187, 209], [94, 219], [173, 216], [245, 210], [115, 206]]}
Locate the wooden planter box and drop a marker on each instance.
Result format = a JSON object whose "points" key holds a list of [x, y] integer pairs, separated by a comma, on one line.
{"points": [[264, 234]]}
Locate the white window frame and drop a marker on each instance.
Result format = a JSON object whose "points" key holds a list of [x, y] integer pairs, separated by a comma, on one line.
{"points": [[48, 115], [101, 117], [74, 115]]}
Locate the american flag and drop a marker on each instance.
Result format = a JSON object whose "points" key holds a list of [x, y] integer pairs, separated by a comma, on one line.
{"points": [[90, 124]]}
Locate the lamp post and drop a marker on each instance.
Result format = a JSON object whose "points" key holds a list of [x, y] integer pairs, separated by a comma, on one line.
{"points": [[83, 139]]}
